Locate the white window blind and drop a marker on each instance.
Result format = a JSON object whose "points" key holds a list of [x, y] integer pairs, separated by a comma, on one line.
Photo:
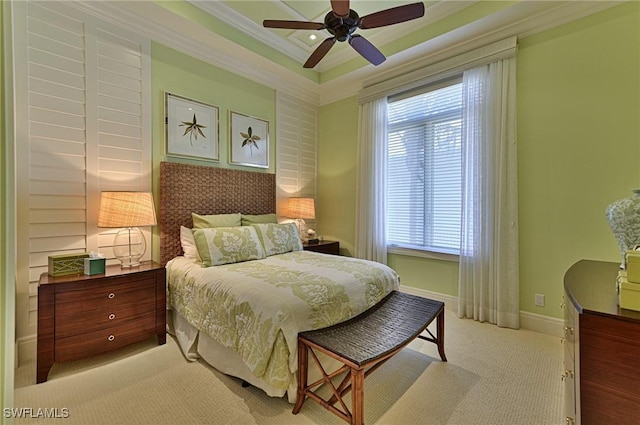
{"points": [[424, 168]]}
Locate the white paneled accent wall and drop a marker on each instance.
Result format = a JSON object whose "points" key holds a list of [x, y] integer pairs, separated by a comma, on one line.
{"points": [[83, 124], [296, 157]]}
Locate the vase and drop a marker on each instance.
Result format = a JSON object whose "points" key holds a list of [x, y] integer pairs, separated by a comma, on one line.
{"points": [[624, 220]]}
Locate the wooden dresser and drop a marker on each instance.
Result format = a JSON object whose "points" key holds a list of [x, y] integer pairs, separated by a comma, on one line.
{"points": [[602, 348], [80, 316]]}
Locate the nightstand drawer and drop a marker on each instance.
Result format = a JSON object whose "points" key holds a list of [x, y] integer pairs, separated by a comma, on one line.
{"points": [[83, 320], [77, 304], [104, 293], [92, 343]]}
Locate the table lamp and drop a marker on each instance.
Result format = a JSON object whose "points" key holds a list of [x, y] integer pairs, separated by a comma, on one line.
{"points": [[128, 211], [301, 209]]}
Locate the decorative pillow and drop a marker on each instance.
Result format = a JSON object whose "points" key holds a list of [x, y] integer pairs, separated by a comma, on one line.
{"points": [[249, 219], [215, 220], [224, 245], [279, 238], [188, 243]]}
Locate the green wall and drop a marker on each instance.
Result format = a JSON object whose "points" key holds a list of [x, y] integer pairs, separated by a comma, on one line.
{"points": [[337, 135], [183, 75], [7, 231], [578, 148], [578, 134]]}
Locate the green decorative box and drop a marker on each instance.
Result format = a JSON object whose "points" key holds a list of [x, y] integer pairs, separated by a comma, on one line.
{"points": [[61, 265], [94, 266]]}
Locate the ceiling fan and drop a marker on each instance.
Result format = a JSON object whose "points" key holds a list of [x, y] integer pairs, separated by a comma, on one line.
{"points": [[341, 22]]}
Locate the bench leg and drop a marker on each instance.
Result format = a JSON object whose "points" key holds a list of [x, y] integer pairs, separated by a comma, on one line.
{"points": [[303, 362], [357, 396], [440, 334]]}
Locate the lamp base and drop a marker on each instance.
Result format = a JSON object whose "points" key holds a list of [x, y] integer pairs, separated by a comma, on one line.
{"points": [[302, 230], [129, 246], [128, 263]]}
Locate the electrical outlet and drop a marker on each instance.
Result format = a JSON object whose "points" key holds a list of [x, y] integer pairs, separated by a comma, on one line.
{"points": [[540, 300]]}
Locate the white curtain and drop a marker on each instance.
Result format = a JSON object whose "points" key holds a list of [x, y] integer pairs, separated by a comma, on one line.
{"points": [[371, 220], [489, 277]]}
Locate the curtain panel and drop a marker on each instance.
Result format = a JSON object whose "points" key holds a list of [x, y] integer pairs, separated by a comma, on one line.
{"points": [[489, 271], [371, 206]]}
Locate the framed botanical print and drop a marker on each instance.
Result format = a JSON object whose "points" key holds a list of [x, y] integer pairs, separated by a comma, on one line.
{"points": [[191, 128], [248, 140]]}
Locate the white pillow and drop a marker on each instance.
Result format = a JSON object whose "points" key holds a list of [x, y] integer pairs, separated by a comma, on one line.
{"points": [[224, 245], [188, 244]]}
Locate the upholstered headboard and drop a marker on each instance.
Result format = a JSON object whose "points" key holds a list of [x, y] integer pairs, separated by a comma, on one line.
{"points": [[186, 188]]}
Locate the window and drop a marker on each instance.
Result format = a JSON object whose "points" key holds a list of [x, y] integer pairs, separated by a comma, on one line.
{"points": [[425, 169]]}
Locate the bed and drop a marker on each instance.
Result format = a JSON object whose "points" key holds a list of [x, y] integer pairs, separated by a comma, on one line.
{"points": [[243, 311]]}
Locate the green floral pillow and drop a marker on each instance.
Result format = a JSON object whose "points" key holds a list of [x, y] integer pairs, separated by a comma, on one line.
{"points": [[279, 238], [224, 245], [249, 219], [215, 220]]}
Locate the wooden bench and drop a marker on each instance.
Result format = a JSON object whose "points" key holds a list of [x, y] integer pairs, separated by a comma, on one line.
{"points": [[362, 344]]}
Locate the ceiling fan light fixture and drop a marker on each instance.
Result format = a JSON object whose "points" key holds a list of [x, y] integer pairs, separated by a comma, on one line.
{"points": [[341, 22]]}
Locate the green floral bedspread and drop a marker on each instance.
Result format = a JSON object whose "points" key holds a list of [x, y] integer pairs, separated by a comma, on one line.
{"points": [[258, 307]]}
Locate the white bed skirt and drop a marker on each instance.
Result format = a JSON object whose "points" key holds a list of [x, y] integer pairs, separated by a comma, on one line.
{"points": [[196, 345]]}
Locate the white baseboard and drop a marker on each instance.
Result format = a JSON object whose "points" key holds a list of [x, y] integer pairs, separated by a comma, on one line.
{"points": [[26, 348], [531, 321]]}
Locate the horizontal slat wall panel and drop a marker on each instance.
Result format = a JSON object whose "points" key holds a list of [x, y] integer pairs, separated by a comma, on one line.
{"points": [[66, 93], [55, 216], [57, 137], [296, 169], [122, 152], [48, 202], [85, 120]]}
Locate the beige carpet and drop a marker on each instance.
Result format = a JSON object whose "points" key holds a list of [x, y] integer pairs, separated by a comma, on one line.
{"points": [[494, 377]]}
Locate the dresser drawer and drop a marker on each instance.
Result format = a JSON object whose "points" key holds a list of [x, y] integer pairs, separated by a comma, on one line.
{"points": [[92, 343], [91, 296], [74, 319]]}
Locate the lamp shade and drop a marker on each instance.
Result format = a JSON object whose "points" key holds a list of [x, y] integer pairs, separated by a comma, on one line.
{"points": [[126, 209], [303, 208]]}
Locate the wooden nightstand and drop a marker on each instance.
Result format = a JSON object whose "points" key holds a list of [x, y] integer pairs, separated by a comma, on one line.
{"points": [[327, 247], [80, 316]]}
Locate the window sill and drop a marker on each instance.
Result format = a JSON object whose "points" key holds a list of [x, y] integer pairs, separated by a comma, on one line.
{"points": [[416, 252]]}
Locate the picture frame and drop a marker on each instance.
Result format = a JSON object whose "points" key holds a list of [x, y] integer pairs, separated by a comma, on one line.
{"points": [[248, 140], [191, 128]]}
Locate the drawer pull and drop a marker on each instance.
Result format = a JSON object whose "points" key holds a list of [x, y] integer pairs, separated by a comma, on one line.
{"points": [[111, 295], [568, 329], [111, 337], [112, 316]]}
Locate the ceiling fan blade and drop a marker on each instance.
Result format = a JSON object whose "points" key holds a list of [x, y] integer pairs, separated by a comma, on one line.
{"points": [[395, 15], [340, 8], [366, 49], [319, 53], [294, 25]]}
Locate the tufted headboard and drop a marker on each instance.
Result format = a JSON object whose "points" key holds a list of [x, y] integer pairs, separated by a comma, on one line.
{"points": [[186, 188]]}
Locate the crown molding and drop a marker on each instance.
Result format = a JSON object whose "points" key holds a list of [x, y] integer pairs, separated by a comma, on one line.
{"points": [[380, 38], [222, 11], [521, 20], [150, 20]]}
